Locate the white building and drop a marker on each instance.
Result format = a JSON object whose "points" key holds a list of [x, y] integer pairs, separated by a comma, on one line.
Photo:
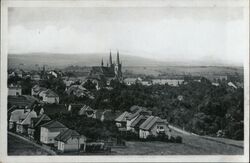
{"points": [[70, 140], [14, 90], [49, 96], [51, 130]]}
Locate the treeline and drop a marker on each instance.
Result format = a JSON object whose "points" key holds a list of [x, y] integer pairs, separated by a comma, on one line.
{"points": [[198, 107]]}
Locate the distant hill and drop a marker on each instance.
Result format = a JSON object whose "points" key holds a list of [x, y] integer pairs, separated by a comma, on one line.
{"points": [[65, 60]]}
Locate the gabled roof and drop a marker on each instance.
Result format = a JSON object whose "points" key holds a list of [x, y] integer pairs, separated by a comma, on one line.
{"points": [[85, 109], [21, 101], [50, 93], [53, 124], [41, 118], [37, 88], [150, 122], [123, 117], [138, 110], [66, 135], [18, 114], [27, 119], [139, 120]]}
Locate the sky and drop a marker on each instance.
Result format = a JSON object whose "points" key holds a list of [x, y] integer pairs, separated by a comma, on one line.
{"points": [[161, 33]]}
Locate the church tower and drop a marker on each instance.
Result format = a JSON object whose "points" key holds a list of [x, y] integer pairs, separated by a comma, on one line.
{"points": [[118, 67], [102, 63], [110, 59]]}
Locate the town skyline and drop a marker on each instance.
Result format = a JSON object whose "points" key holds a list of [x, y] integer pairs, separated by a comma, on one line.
{"points": [[163, 33]]}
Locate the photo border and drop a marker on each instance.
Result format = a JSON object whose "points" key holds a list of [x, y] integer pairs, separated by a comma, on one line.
{"points": [[5, 4]]}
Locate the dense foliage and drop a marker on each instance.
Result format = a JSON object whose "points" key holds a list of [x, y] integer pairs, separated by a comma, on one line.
{"points": [[205, 109]]}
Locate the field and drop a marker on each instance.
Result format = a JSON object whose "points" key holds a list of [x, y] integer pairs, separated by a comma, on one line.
{"points": [[17, 146], [192, 145]]}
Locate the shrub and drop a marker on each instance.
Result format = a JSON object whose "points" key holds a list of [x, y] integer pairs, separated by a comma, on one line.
{"points": [[178, 139], [172, 139]]}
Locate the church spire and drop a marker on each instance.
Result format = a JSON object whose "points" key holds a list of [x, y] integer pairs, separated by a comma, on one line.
{"points": [[110, 58], [102, 63], [118, 59]]}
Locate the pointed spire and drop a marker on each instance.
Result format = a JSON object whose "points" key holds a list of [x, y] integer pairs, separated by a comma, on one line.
{"points": [[102, 62], [118, 59], [110, 58]]}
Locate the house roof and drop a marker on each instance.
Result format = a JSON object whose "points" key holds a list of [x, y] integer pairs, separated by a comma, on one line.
{"points": [[137, 110], [40, 119], [85, 109], [53, 124], [122, 117], [21, 101], [150, 122], [50, 93], [139, 120], [27, 119], [51, 109], [67, 134], [37, 88], [18, 114]]}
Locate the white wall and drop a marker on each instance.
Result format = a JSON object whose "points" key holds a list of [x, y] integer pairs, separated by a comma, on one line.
{"points": [[14, 91]]}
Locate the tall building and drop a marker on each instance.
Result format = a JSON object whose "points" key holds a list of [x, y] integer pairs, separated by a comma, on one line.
{"points": [[104, 74]]}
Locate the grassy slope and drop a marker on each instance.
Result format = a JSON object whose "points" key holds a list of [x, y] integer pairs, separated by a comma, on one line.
{"points": [[192, 145], [17, 146]]}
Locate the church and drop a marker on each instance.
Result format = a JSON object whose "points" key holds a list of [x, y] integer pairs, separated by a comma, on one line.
{"points": [[102, 75]]}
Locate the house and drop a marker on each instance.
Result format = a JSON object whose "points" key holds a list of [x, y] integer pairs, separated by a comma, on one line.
{"points": [[53, 73], [171, 82], [136, 111], [51, 110], [24, 122], [15, 116], [50, 130], [107, 115], [153, 126], [34, 127], [180, 97], [36, 77], [14, 90], [87, 111], [21, 101], [231, 84], [215, 84], [35, 90], [79, 91], [137, 122], [70, 141], [130, 81], [19, 73], [49, 96], [121, 121]]}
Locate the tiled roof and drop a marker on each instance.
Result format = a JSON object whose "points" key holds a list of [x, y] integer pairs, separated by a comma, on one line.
{"points": [[18, 114], [41, 118], [150, 122], [66, 135], [53, 124], [85, 109], [139, 120], [50, 93], [20, 101], [27, 119], [51, 109], [122, 117], [137, 111]]}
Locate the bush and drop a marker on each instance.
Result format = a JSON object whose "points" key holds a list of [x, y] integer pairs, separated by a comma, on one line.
{"points": [[178, 139], [172, 139]]}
